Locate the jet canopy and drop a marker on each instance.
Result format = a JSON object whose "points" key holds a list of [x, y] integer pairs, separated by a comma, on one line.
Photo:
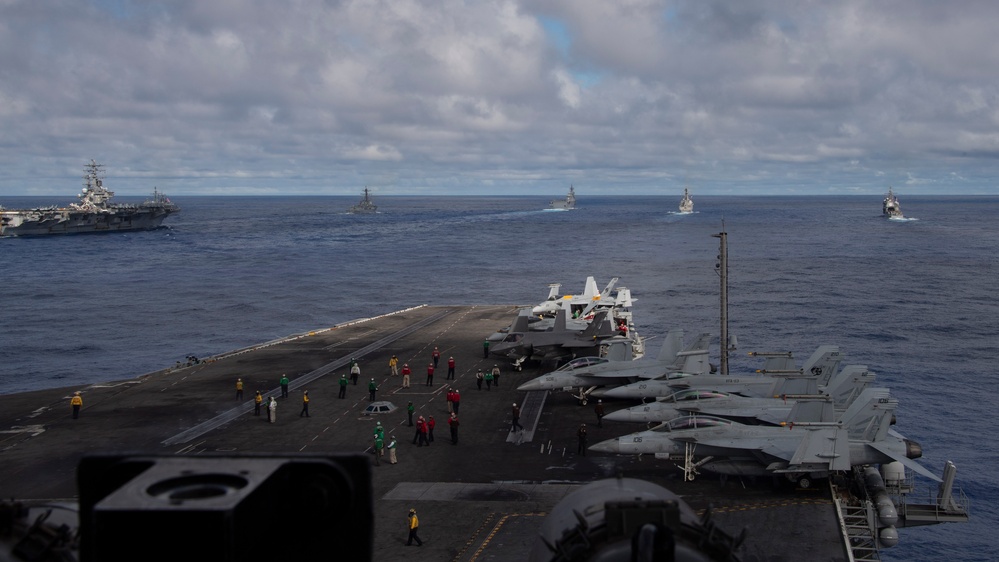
{"points": [[582, 362], [691, 422], [692, 394]]}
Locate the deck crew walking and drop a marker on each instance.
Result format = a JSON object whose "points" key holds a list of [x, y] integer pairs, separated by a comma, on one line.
{"points": [[450, 368], [284, 386], [239, 389], [343, 386], [76, 402], [515, 424], [258, 399], [272, 410], [414, 526], [394, 365], [355, 371], [305, 405]]}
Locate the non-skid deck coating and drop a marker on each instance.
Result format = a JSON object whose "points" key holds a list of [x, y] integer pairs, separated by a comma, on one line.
{"points": [[482, 499]]}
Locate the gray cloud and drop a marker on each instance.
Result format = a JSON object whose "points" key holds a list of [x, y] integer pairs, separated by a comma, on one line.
{"points": [[485, 97]]}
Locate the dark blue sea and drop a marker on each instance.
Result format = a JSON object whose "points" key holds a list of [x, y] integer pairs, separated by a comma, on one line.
{"points": [[915, 301]]}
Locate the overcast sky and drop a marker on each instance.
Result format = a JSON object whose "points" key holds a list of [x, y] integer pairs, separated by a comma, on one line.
{"points": [[498, 97]]}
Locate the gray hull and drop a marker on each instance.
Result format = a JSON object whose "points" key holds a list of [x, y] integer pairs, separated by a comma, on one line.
{"points": [[65, 222]]}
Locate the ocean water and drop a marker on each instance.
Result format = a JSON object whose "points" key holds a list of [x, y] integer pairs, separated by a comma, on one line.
{"points": [[914, 300]]}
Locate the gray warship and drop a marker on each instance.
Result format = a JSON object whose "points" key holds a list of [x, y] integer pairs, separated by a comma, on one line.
{"points": [[94, 213], [890, 207], [364, 206], [565, 204]]}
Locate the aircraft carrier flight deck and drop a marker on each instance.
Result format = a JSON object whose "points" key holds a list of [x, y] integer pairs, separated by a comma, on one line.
{"points": [[482, 499]]}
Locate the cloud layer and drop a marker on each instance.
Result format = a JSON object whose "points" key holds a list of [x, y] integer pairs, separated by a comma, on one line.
{"points": [[494, 97]]}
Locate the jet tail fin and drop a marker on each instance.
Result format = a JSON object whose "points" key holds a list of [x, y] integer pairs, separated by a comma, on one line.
{"points": [[694, 358], [823, 363], [559, 325], [590, 290], [869, 417], [595, 327], [595, 299], [520, 324], [623, 299], [846, 385], [553, 291], [672, 345]]}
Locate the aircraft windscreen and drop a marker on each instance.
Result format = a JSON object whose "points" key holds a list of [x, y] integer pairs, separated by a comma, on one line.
{"points": [[693, 422], [581, 362], [696, 394]]}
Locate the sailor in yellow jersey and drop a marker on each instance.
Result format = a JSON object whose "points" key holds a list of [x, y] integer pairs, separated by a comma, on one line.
{"points": [[305, 405], [414, 526], [77, 402]]}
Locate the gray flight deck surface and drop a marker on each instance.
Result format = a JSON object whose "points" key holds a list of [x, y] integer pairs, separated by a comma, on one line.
{"points": [[483, 499]]}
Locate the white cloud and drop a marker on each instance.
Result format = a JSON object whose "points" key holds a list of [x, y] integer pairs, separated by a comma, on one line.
{"points": [[497, 94]]}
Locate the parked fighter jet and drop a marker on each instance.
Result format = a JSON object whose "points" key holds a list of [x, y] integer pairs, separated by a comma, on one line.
{"points": [[521, 344], [822, 365], [844, 387], [582, 376], [810, 446], [578, 303]]}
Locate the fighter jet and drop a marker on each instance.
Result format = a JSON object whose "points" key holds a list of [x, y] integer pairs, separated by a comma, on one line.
{"points": [[821, 365], [844, 387], [579, 304], [521, 344], [810, 446], [582, 376]]}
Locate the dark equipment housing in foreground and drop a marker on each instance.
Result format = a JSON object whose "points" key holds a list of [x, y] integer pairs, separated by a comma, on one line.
{"points": [[225, 508]]}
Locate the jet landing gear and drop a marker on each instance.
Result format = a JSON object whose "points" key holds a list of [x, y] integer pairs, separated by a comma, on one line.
{"points": [[583, 396], [689, 466]]}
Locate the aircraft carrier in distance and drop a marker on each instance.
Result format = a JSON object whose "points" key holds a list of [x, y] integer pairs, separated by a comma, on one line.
{"points": [[94, 213], [485, 498]]}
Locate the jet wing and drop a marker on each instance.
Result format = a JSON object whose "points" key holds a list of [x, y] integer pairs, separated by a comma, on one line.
{"points": [[773, 415], [822, 449], [781, 448], [886, 449]]}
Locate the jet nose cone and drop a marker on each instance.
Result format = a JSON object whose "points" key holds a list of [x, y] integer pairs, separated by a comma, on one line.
{"points": [[608, 446], [618, 392], [530, 385], [619, 415]]}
